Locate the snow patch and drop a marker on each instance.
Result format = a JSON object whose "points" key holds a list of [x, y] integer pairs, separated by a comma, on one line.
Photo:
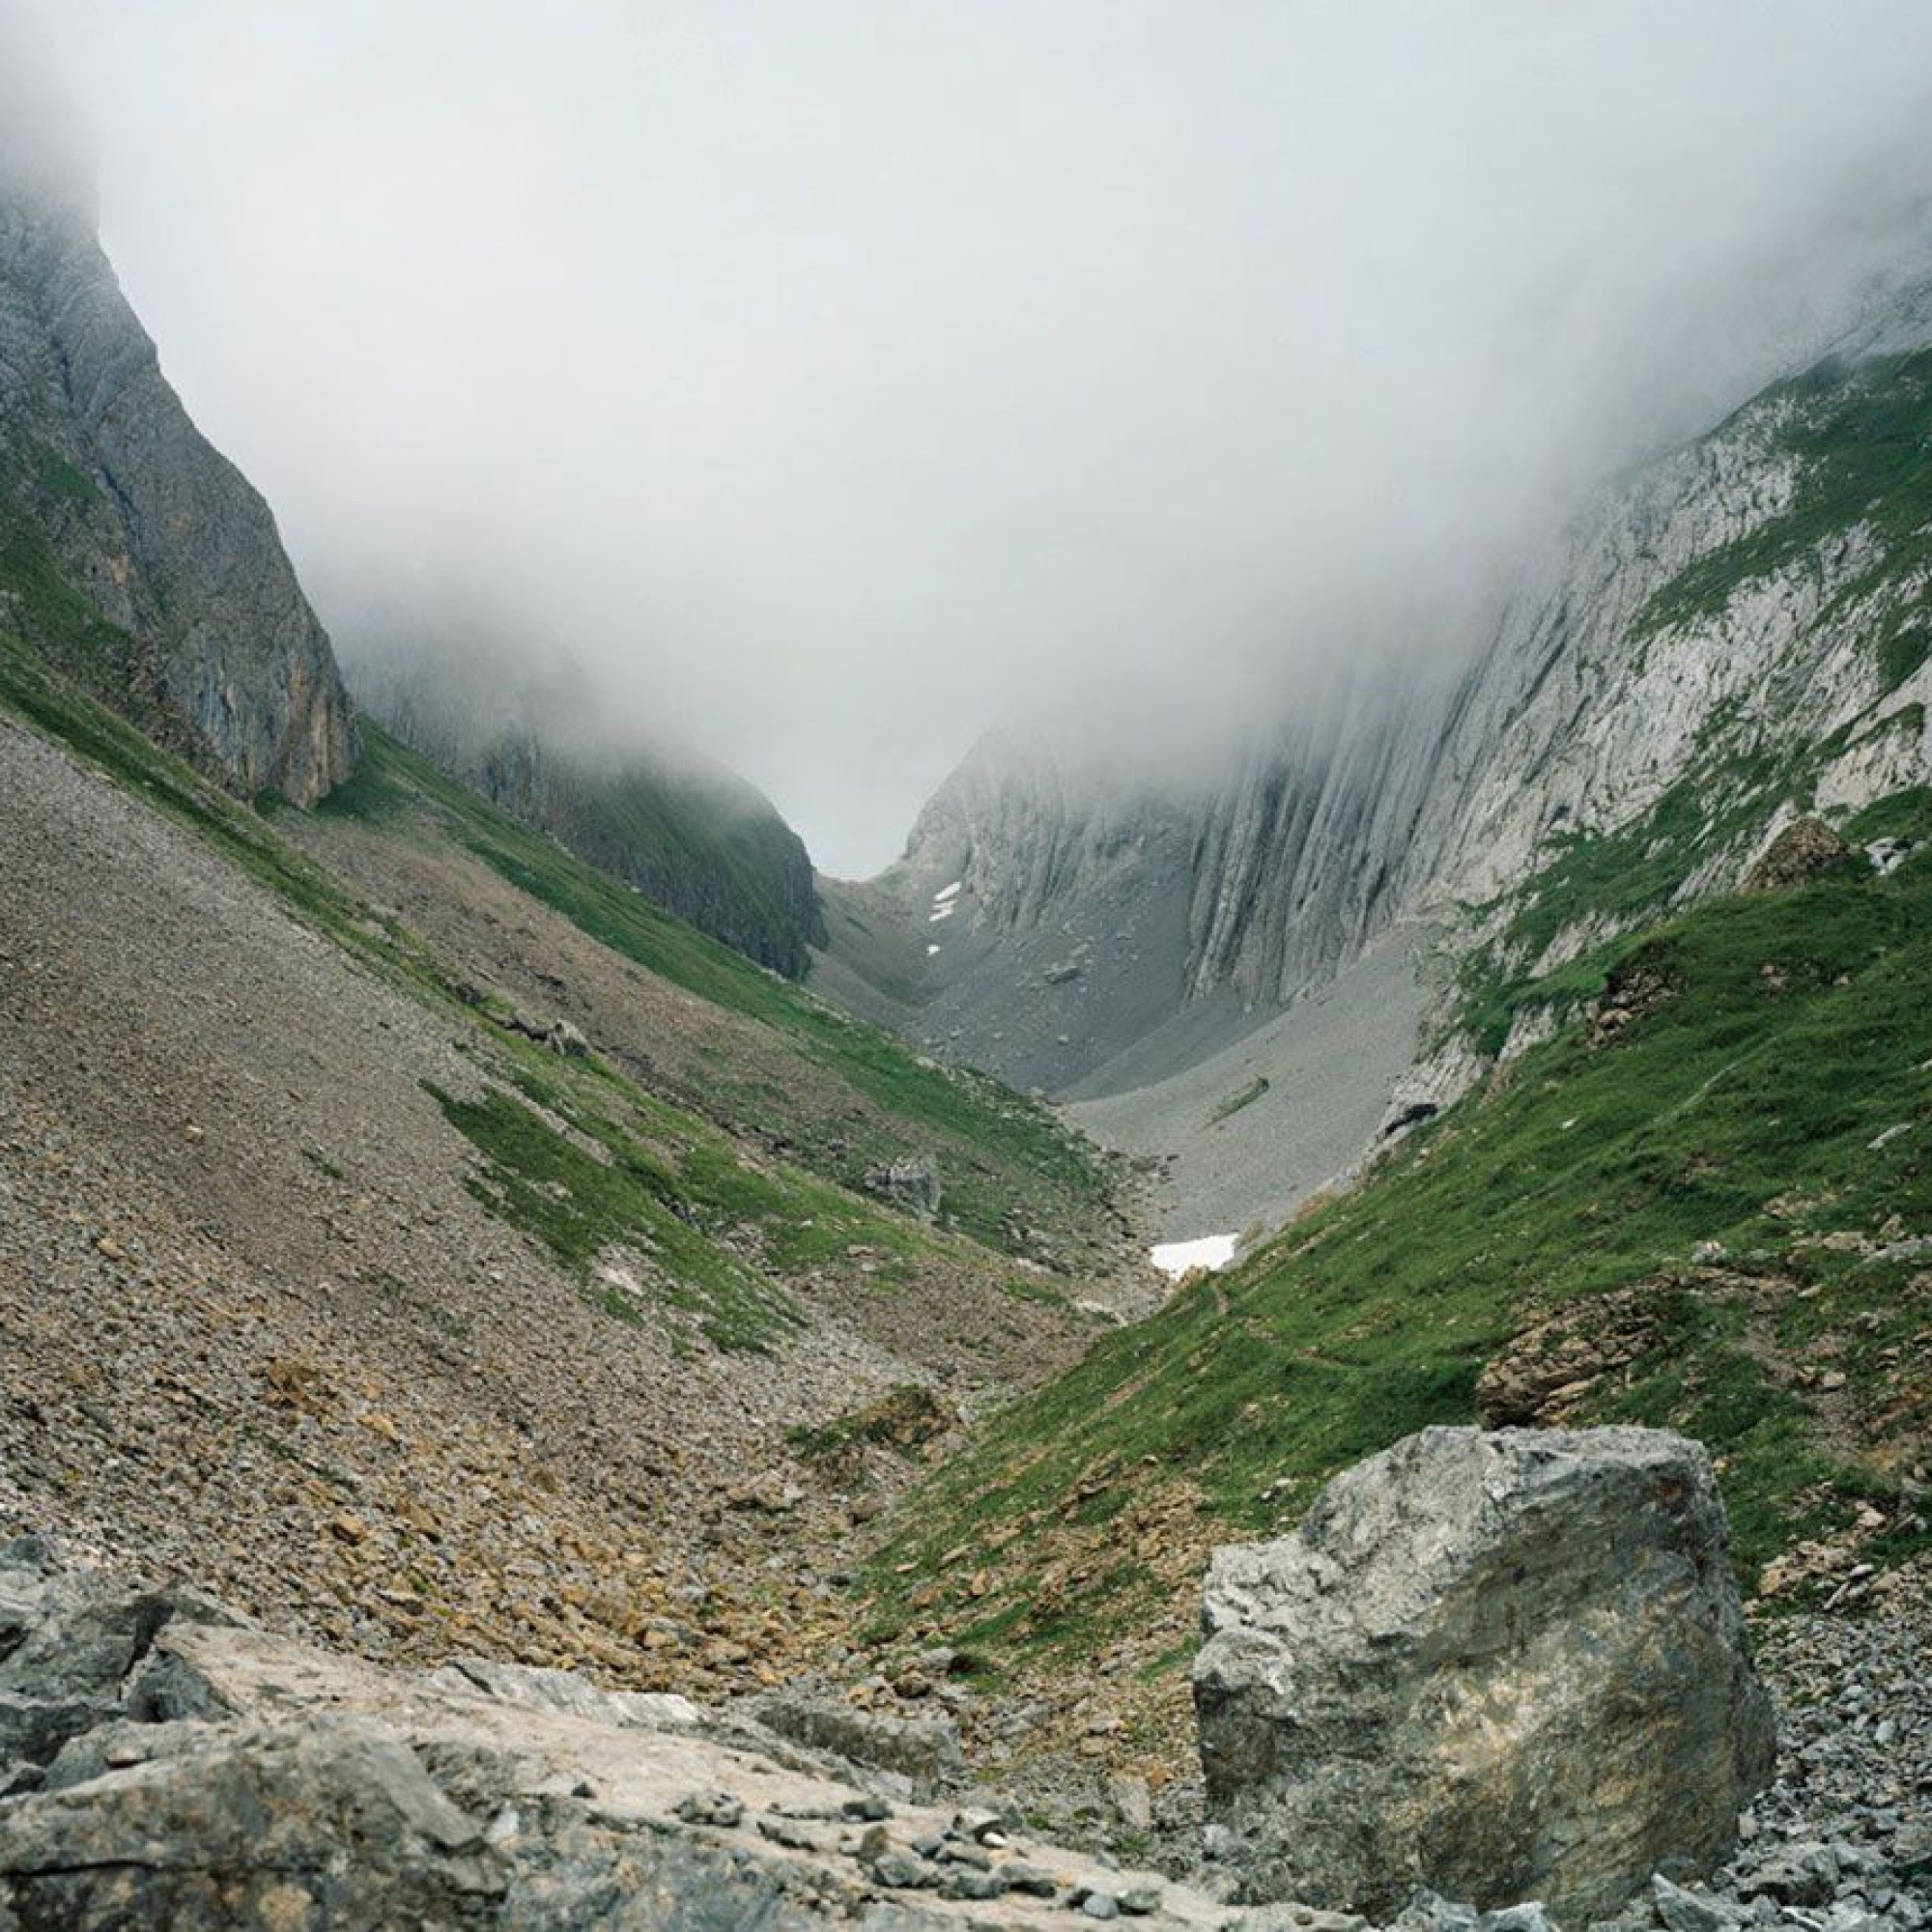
{"points": [[930, 950], [1210, 1251], [946, 893], [944, 912]]}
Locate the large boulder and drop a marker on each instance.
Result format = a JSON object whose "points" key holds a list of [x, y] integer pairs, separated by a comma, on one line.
{"points": [[1505, 1666]]}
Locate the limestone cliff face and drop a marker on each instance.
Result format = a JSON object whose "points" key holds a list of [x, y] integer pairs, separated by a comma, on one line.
{"points": [[131, 551], [1739, 634]]}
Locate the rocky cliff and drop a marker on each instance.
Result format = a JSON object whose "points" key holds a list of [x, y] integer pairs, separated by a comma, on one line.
{"points": [[132, 551], [1734, 637]]}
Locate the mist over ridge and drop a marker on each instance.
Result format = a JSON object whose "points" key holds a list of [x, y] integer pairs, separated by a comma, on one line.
{"points": [[830, 381]]}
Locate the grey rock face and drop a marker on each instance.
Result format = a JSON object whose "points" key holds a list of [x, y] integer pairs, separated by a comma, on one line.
{"points": [[200, 1775], [1506, 1666], [1716, 617], [131, 551]]}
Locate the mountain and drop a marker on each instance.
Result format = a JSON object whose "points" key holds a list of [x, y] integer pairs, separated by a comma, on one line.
{"points": [[432, 1244], [131, 553], [691, 835], [1734, 637], [1648, 887]]}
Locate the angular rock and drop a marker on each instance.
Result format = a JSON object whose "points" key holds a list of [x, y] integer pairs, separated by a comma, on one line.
{"points": [[925, 1751], [538, 1688], [914, 1184], [1503, 1666], [1682, 1910]]}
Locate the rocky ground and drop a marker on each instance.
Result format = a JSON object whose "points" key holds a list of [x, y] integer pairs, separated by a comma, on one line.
{"points": [[254, 1325], [139, 1720]]}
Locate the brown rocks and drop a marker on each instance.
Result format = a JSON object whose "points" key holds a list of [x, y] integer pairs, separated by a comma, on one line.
{"points": [[1805, 850], [1543, 1371]]}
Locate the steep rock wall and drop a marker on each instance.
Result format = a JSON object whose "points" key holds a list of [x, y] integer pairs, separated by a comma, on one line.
{"points": [[1737, 634], [131, 551]]}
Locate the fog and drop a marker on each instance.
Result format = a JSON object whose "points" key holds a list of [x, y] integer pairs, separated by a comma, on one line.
{"points": [[829, 377]]}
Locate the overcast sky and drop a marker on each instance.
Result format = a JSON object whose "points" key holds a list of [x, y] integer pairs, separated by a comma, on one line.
{"points": [[832, 376]]}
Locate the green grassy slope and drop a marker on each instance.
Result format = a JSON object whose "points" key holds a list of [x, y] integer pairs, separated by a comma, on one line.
{"points": [[568, 1150], [699, 842], [1770, 1093], [1008, 1162]]}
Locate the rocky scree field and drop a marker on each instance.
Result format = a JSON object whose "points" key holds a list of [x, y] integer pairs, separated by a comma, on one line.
{"points": [[329, 1284]]}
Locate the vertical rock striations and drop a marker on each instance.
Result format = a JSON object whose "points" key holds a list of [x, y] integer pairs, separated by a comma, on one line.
{"points": [[131, 553], [1735, 637]]}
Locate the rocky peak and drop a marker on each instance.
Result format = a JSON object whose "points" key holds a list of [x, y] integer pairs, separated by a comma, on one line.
{"points": [[131, 553]]}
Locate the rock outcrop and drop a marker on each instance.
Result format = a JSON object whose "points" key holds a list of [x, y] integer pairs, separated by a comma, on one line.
{"points": [[131, 553], [1805, 851], [914, 1184], [1505, 1666], [163, 1763]]}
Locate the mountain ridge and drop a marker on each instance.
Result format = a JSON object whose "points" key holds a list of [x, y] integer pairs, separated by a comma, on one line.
{"points": [[1733, 638], [688, 833], [135, 555]]}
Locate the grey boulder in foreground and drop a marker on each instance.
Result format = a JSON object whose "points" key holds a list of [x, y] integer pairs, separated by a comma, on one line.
{"points": [[1506, 1666]]}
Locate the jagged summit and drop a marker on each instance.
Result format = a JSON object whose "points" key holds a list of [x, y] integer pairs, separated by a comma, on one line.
{"points": [[135, 555]]}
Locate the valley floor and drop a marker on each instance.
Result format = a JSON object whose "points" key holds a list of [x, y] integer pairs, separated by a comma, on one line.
{"points": [[1245, 1135]]}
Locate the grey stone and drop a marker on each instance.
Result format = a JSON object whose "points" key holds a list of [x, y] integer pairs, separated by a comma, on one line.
{"points": [[923, 1749], [1682, 1910], [1132, 1800], [537, 1689], [965, 1882], [1800, 1874], [902, 1871], [1528, 1917], [913, 1183], [1019, 1876], [1503, 1666]]}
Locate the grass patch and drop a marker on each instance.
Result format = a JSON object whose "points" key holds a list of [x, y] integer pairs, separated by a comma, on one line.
{"points": [[1007, 1159], [597, 1196], [1740, 1109], [1858, 435]]}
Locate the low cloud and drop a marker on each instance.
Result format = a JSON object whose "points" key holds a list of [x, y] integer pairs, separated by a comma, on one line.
{"points": [[830, 379]]}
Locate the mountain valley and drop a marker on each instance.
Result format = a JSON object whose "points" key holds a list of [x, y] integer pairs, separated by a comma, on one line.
{"points": [[467, 1192]]}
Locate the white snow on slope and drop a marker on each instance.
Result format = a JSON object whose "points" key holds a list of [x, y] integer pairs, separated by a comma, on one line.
{"points": [[1210, 1251]]}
